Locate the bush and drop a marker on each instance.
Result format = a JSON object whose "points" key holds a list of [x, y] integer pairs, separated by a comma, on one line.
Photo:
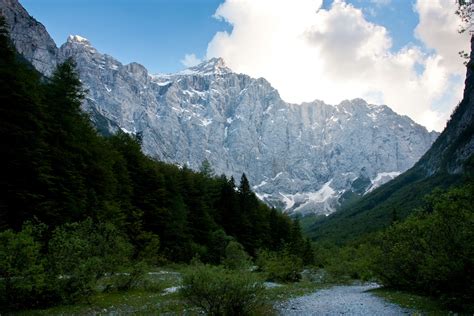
{"points": [[235, 257], [280, 266], [352, 261], [124, 281], [81, 253], [149, 249], [22, 273], [218, 241], [218, 291]]}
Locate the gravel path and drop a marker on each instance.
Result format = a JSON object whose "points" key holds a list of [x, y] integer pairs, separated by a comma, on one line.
{"points": [[341, 300]]}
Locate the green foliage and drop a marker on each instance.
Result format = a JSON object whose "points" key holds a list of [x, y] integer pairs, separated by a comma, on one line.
{"points": [[218, 241], [149, 250], [419, 304], [126, 280], [218, 291], [22, 269], [280, 266], [433, 251], [298, 246], [360, 185], [206, 168], [81, 253], [235, 257], [352, 261], [21, 149], [430, 253]]}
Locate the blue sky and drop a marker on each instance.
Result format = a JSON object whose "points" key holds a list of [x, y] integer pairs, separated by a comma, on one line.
{"points": [[397, 16], [158, 33]]}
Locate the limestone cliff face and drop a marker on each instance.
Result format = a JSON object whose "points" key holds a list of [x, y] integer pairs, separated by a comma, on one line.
{"points": [[301, 157], [30, 37]]}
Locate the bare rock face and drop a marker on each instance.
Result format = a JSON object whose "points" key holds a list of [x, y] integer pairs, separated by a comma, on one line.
{"points": [[30, 37], [300, 157]]}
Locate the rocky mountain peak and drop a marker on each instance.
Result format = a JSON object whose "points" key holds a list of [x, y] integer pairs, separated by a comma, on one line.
{"points": [[77, 43], [213, 66], [137, 69], [78, 39]]}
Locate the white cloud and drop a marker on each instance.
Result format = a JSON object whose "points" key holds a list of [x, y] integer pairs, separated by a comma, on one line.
{"points": [[190, 60], [310, 53], [437, 29]]}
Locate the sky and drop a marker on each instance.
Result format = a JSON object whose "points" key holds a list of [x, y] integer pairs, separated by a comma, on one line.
{"points": [[402, 53]]}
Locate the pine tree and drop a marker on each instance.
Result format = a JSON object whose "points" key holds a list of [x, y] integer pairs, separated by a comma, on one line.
{"points": [[206, 169], [248, 205], [21, 132], [74, 156]]}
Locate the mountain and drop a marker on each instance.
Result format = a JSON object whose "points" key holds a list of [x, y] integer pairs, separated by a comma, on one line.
{"points": [[305, 158], [448, 162], [30, 37]]}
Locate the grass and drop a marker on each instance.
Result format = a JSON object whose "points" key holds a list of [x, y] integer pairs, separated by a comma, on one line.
{"points": [[149, 299], [130, 302], [420, 304]]}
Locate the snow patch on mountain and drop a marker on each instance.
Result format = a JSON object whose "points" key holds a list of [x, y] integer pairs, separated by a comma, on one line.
{"points": [[382, 178], [307, 202], [78, 39], [213, 66]]}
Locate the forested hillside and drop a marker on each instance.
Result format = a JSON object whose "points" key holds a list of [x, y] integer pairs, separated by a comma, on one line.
{"points": [[377, 210], [71, 199]]}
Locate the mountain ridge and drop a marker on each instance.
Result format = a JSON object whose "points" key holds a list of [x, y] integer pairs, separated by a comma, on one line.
{"points": [[448, 162], [302, 157]]}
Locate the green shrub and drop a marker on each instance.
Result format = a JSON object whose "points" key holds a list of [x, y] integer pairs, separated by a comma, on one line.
{"points": [[280, 266], [148, 251], [198, 251], [22, 274], [218, 291], [218, 241], [126, 280], [81, 253], [354, 262], [235, 257]]}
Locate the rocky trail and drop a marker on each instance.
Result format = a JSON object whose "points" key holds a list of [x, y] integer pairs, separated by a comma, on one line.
{"points": [[341, 300]]}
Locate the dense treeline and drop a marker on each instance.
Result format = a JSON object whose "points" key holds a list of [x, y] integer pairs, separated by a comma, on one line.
{"points": [[67, 193], [431, 252]]}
